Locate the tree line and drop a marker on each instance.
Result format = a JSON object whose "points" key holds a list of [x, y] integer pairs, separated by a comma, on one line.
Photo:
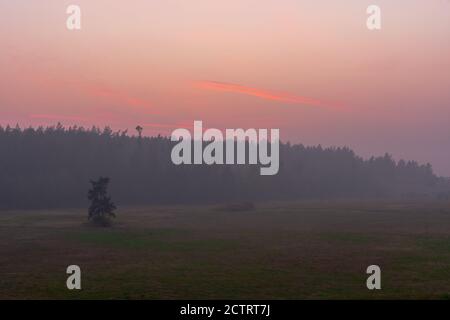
{"points": [[52, 167]]}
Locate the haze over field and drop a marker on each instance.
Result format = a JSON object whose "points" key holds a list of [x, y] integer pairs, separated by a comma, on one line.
{"points": [[311, 69]]}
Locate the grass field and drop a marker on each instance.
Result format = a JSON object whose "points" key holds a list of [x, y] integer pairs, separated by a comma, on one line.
{"points": [[307, 250]]}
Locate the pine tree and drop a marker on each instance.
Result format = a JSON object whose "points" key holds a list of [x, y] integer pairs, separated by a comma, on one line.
{"points": [[101, 209]]}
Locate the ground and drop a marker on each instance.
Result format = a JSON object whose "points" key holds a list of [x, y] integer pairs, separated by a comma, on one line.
{"points": [[303, 250]]}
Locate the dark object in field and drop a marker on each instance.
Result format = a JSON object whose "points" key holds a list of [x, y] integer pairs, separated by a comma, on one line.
{"points": [[238, 206], [101, 209]]}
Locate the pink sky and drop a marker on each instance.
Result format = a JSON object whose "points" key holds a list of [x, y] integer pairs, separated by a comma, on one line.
{"points": [[309, 68]]}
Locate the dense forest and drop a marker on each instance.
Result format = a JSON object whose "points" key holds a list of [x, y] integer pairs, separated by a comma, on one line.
{"points": [[51, 167]]}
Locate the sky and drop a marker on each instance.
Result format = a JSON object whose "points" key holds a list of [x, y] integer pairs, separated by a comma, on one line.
{"points": [[309, 68]]}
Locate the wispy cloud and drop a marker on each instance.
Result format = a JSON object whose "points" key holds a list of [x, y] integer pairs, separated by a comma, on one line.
{"points": [[264, 94], [119, 97], [57, 117], [167, 125]]}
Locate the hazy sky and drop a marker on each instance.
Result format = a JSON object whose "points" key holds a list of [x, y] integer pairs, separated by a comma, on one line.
{"points": [[310, 68]]}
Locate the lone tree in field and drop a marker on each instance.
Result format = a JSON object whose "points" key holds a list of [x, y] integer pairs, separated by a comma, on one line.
{"points": [[101, 209]]}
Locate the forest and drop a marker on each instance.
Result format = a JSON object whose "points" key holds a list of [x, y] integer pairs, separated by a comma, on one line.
{"points": [[52, 167]]}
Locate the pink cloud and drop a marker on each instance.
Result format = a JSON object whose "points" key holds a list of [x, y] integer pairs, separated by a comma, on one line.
{"points": [[169, 126], [119, 97], [57, 117], [264, 94]]}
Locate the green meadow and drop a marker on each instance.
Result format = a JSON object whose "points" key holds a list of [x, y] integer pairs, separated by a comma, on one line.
{"points": [[294, 250]]}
